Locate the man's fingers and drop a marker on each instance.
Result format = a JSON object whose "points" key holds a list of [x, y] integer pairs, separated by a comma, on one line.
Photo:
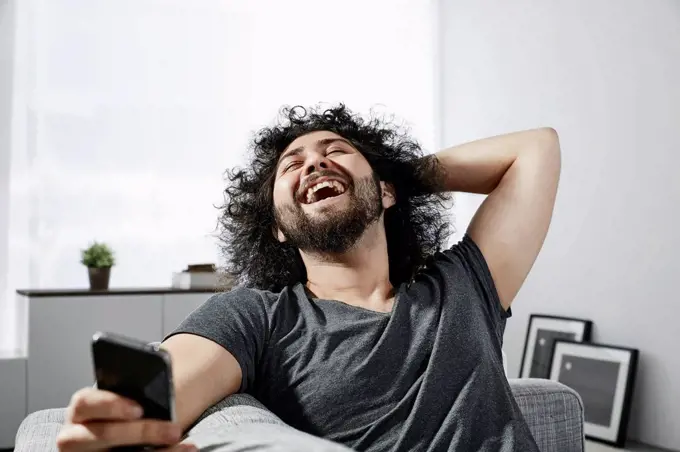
{"points": [[76, 438], [90, 404], [145, 431], [184, 447], [103, 435]]}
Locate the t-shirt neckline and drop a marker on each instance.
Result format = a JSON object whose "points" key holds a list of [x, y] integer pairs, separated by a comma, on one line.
{"points": [[307, 293]]}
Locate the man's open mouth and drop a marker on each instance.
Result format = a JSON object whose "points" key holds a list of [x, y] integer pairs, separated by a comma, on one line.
{"points": [[323, 190]]}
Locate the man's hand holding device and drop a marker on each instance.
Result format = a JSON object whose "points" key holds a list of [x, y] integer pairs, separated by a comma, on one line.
{"points": [[132, 405]]}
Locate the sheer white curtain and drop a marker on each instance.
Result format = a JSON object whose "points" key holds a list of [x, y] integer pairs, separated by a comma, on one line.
{"points": [[128, 112]]}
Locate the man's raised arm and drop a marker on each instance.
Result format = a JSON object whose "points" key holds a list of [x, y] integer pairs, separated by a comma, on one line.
{"points": [[520, 173]]}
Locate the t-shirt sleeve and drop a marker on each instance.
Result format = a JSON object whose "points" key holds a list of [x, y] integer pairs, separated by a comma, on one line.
{"points": [[467, 252], [236, 320]]}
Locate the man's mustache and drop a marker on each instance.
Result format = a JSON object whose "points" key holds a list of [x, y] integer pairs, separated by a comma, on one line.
{"points": [[323, 173]]}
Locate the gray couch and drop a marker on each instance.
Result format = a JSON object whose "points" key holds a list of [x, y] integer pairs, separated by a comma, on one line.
{"points": [[240, 423]]}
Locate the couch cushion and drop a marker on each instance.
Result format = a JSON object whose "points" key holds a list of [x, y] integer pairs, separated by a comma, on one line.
{"points": [[554, 413]]}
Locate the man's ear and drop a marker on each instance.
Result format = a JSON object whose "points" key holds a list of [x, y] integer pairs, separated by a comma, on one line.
{"points": [[278, 234], [389, 197]]}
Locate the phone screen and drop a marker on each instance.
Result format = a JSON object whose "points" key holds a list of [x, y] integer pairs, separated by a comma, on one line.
{"points": [[139, 373]]}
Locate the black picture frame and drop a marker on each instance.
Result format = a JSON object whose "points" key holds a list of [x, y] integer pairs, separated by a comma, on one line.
{"points": [[604, 377], [542, 331]]}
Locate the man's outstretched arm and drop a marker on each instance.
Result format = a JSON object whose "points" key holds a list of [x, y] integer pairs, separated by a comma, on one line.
{"points": [[520, 173]]}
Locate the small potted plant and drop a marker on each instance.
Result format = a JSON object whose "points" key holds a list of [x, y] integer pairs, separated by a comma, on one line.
{"points": [[98, 258]]}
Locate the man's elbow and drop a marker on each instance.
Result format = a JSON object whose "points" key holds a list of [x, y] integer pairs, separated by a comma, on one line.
{"points": [[547, 145], [550, 154], [549, 139], [542, 155]]}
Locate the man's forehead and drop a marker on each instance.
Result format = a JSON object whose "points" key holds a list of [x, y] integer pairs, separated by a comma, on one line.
{"points": [[310, 139]]}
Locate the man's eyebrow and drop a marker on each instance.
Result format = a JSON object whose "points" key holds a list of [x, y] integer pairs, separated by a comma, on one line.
{"points": [[319, 143]]}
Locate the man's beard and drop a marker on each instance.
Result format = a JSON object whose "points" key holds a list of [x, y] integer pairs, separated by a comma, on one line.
{"points": [[333, 232]]}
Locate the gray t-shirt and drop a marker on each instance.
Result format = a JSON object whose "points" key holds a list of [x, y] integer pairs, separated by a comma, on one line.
{"points": [[426, 377]]}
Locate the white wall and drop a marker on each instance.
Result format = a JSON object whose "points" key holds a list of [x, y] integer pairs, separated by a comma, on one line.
{"points": [[605, 75], [6, 75], [129, 111]]}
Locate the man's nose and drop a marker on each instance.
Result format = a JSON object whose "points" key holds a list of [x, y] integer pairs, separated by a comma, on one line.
{"points": [[316, 162]]}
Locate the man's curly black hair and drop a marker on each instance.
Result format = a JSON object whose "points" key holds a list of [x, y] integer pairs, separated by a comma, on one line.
{"points": [[416, 226]]}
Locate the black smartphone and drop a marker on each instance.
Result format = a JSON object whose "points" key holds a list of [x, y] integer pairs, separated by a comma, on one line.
{"points": [[137, 370]]}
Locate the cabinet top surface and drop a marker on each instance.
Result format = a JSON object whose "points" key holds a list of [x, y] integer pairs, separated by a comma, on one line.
{"points": [[112, 291]]}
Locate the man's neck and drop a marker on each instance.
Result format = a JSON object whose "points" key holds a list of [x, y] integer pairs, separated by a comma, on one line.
{"points": [[359, 277]]}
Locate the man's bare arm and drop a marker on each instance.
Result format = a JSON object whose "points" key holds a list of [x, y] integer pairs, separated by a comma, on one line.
{"points": [[203, 372], [520, 173]]}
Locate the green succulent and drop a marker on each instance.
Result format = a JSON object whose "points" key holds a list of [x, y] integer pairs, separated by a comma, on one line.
{"points": [[97, 255]]}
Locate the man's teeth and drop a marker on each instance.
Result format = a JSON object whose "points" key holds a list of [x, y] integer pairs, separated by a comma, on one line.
{"points": [[335, 185]]}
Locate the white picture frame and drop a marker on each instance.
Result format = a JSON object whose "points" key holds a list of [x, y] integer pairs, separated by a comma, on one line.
{"points": [[542, 332], [604, 377]]}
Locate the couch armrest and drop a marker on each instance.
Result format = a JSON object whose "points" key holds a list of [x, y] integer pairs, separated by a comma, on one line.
{"points": [[235, 410], [237, 423], [553, 411], [39, 430]]}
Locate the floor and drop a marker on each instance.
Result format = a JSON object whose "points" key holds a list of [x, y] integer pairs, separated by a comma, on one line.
{"points": [[593, 446]]}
